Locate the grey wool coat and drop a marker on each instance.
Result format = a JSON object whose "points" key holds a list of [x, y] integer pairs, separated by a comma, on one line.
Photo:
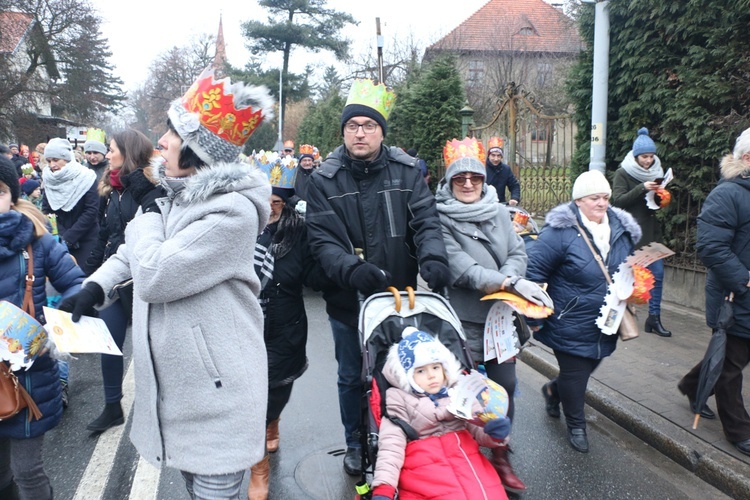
{"points": [[201, 373]]}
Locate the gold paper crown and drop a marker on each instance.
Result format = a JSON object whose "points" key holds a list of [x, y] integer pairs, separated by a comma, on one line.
{"points": [[467, 148], [289, 144], [495, 142], [214, 105], [378, 97], [306, 149]]}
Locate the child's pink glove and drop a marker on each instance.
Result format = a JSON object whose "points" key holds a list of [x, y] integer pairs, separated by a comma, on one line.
{"points": [[498, 428]]}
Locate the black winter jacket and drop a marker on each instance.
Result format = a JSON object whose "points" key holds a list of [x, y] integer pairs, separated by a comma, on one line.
{"points": [[79, 227], [723, 244], [501, 176], [382, 207], [285, 320]]}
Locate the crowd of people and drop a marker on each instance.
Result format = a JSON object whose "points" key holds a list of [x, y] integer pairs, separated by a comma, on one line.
{"points": [[117, 234]]}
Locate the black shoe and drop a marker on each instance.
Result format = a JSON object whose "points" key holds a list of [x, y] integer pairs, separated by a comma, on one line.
{"points": [[706, 412], [578, 440], [653, 325], [110, 417], [551, 403], [743, 446], [353, 461]]}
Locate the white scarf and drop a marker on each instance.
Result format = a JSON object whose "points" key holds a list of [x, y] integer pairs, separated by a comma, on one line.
{"points": [[600, 232], [637, 172], [65, 187]]}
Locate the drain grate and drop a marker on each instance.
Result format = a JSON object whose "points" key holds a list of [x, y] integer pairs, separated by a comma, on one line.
{"points": [[321, 475]]}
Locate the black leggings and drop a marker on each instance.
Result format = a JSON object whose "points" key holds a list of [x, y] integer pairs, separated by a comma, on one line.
{"points": [[505, 375], [570, 386], [278, 397]]}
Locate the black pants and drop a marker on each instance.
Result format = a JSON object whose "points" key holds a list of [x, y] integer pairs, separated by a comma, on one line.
{"points": [[570, 386], [504, 374], [728, 390], [278, 397]]}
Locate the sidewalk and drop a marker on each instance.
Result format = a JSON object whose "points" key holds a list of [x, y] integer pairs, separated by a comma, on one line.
{"points": [[636, 387]]}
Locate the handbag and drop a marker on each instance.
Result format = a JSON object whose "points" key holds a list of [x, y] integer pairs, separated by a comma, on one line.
{"points": [[13, 396], [628, 328], [124, 292]]}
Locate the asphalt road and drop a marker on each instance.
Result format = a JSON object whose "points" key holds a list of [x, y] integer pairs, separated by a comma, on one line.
{"points": [[308, 464]]}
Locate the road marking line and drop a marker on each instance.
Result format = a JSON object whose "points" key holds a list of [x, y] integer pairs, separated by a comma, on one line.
{"points": [[95, 477], [145, 481]]}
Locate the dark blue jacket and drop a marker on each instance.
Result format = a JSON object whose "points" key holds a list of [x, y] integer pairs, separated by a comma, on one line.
{"points": [[723, 244], [575, 282], [51, 260], [501, 176]]}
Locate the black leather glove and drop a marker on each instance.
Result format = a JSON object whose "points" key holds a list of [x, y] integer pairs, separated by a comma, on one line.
{"points": [[531, 292], [435, 273], [143, 191], [82, 303], [368, 278]]}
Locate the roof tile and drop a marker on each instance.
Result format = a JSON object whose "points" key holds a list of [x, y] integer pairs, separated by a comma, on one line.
{"points": [[13, 26]]}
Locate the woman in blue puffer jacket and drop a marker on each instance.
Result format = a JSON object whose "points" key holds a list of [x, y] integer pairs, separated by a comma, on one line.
{"points": [[561, 258], [21, 440]]}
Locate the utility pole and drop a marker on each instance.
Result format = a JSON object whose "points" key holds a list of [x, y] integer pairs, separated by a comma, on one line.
{"points": [[279, 146], [381, 75], [600, 88]]}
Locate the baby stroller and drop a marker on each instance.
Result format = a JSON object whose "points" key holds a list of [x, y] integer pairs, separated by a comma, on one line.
{"points": [[382, 319]]}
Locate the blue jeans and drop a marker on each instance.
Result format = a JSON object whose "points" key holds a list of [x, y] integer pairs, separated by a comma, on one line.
{"points": [[349, 358], [64, 369], [654, 304], [213, 487], [113, 366]]}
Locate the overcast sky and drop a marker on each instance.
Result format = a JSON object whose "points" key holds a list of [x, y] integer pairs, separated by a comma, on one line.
{"points": [[140, 30]]}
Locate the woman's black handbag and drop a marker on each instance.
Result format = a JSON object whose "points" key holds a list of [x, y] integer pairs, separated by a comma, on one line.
{"points": [[124, 292]]}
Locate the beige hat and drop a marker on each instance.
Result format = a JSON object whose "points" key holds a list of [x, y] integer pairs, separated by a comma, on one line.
{"points": [[590, 182]]}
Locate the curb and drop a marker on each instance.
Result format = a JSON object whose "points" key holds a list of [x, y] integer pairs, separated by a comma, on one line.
{"points": [[709, 463]]}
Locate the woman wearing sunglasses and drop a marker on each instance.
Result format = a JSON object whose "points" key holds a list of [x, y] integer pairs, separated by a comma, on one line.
{"points": [[486, 255]]}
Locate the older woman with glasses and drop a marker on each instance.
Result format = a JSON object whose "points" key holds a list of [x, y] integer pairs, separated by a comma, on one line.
{"points": [[486, 255]]}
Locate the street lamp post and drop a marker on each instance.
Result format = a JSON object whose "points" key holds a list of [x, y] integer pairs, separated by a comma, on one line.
{"points": [[600, 87], [279, 146], [467, 119]]}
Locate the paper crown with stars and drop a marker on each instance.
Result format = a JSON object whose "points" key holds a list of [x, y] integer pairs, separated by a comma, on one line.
{"points": [[466, 148], [216, 117], [281, 172]]}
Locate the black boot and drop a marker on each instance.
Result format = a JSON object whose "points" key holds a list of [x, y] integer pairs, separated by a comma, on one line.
{"points": [[9, 492], [653, 325], [111, 416]]}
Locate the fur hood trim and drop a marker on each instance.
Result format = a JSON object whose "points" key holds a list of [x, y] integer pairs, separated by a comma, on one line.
{"points": [[565, 216], [395, 374], [218, 178], [733, 167]]}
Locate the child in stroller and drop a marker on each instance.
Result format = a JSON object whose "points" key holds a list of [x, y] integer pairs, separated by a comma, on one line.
{"points": [[424, 450]]}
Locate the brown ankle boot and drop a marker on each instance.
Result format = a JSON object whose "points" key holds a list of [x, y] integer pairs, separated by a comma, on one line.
{"points": [[259, 473], [272, 436], [502, 465]]}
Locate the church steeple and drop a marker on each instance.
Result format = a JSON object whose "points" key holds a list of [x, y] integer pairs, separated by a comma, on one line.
{"points": [[220, 59]]}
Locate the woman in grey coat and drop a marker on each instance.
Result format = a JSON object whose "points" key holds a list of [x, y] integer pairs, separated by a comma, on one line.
{"points": [[200, 362], [486, 255]]}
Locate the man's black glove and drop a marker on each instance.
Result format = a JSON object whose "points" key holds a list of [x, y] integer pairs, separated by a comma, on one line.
{"points": [[143, 191], [82, 303], [368, 278], [435, 273]]}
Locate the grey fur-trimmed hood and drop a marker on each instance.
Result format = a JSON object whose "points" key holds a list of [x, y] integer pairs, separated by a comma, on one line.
{"points": [[564, 216], [395, 374], [732, 167]]}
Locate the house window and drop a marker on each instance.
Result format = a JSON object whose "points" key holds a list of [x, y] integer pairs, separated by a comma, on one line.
{"points": [[476, 73], [539, 134], [543, 73], [526, 31]]}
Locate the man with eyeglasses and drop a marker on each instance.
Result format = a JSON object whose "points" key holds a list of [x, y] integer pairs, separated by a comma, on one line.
{"points": [[372, 223], [500, 175]]}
